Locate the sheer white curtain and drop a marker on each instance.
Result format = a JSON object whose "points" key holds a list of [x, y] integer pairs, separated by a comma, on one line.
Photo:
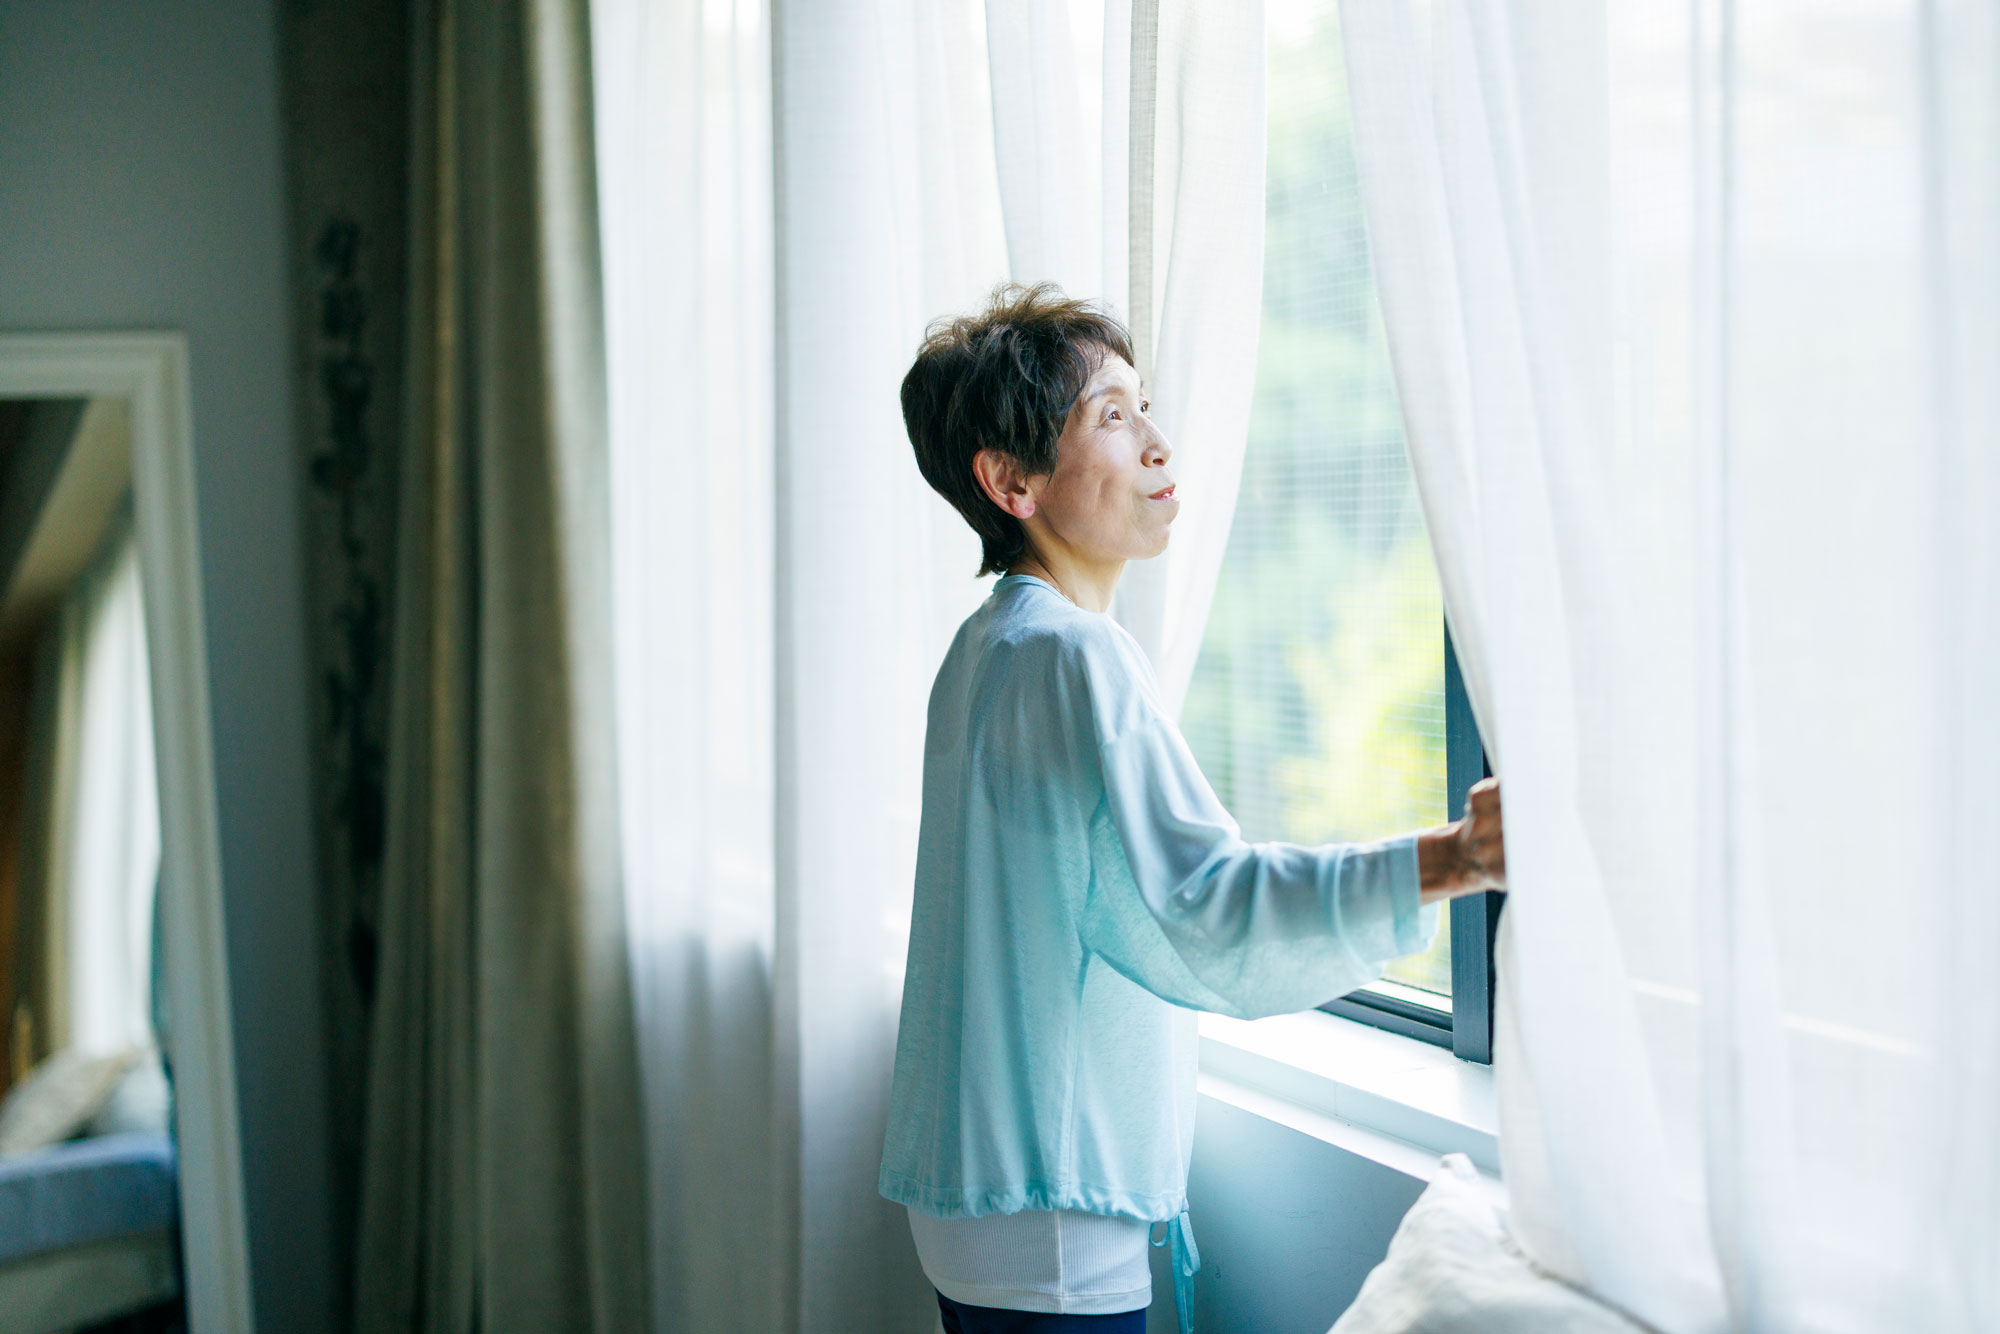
{"points": [[789, 195], [1694, 331], [103, 838], [684, 183], [1130, 142], [887, 220], [786, 585]]}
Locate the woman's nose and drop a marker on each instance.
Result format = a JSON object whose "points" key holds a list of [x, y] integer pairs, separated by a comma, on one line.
{"points": [[1158, 448]]}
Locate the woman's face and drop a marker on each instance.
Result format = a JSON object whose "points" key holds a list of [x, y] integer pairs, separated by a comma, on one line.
{"points": [[1110, 496]]}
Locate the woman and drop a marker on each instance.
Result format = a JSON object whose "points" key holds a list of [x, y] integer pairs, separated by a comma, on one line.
{"points": [[1080, 891]]}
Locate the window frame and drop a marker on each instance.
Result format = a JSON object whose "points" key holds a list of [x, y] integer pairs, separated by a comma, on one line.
{"points": [[1467, 1028]]}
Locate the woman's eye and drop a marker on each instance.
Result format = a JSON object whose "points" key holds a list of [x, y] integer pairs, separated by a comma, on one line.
{"points": [[1146, 408]]}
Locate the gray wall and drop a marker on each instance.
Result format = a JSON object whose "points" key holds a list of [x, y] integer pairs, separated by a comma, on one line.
{"points": [[141, 185], [1288, 1226]]}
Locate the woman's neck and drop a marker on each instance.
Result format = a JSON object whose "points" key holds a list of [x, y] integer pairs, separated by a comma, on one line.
{"points": [[1089, 585]]}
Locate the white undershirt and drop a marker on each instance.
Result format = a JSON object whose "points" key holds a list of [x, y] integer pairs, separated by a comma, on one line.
{"points": [[1058, 1261]]}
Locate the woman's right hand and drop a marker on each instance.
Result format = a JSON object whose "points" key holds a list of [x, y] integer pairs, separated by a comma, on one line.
{"points": [[1468, 856]]}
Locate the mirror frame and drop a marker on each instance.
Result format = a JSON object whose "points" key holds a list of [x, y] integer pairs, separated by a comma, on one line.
{"points": [[150, 371]]}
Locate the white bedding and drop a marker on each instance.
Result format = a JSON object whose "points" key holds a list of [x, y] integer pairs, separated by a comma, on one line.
{"points": [[1452, 1269]]}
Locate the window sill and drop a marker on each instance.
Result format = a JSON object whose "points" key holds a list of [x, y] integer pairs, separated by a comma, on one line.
{"points": [[1393, 1099]]}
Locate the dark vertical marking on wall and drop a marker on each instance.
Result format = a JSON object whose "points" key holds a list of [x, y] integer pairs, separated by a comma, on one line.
{"points": [[346, 98]]}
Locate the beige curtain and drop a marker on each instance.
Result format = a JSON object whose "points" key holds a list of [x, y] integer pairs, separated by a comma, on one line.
{"points": [[502, 1178]]}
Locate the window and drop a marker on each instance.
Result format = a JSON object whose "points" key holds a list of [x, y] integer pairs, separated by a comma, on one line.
{"points": [[1325, 704]]}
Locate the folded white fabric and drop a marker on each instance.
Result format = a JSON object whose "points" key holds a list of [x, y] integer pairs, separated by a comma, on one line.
{"points": [[1452, 1269], [60, 1096]]}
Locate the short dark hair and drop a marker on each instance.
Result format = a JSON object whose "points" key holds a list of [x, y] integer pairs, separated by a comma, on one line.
{"points": [[1004, 379]]}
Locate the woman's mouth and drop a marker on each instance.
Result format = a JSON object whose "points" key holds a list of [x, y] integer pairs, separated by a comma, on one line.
{"points": [[1164, 493]]}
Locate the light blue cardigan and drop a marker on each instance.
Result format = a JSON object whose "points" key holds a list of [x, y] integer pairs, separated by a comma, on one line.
{"points": [[1080, 893]]}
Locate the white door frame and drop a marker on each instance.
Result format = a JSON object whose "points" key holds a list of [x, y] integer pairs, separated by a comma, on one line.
{"points": [[150, 371]]}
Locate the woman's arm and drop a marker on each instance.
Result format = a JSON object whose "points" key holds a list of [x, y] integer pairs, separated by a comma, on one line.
{"points": [[1181, 904]]}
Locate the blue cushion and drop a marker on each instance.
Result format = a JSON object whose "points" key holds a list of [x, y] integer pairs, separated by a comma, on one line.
{"points": [[86, 1190]]}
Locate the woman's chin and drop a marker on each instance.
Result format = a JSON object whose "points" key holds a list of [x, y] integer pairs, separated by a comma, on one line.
{"points": [[1143, 542]]}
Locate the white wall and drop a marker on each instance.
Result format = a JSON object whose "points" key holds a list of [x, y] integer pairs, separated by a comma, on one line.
{"points": [[141, 186]]}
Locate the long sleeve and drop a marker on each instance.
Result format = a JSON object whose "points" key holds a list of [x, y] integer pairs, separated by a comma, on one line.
{"points": [[1079, 890], [1183, 906]]}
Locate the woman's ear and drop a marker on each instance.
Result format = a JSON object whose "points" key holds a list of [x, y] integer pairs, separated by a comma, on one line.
{"points": [[1004, 481]]}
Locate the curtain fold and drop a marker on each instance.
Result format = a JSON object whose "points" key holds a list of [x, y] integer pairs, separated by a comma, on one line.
{"points": [[90, 851], [789, 198], [112, 843], [1130, 147], [683, 116], [1465, 144], [791, 193], [1680, 337], [502, 1161], [1197, 232], [1058, 73], [1958, 49], [886, 221]]}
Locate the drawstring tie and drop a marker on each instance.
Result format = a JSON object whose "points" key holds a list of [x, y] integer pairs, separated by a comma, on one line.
{"points": [[1186, 1259]]}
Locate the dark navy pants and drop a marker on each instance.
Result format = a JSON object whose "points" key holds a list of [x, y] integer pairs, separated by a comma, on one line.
{"points": [[962, 1319]]}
